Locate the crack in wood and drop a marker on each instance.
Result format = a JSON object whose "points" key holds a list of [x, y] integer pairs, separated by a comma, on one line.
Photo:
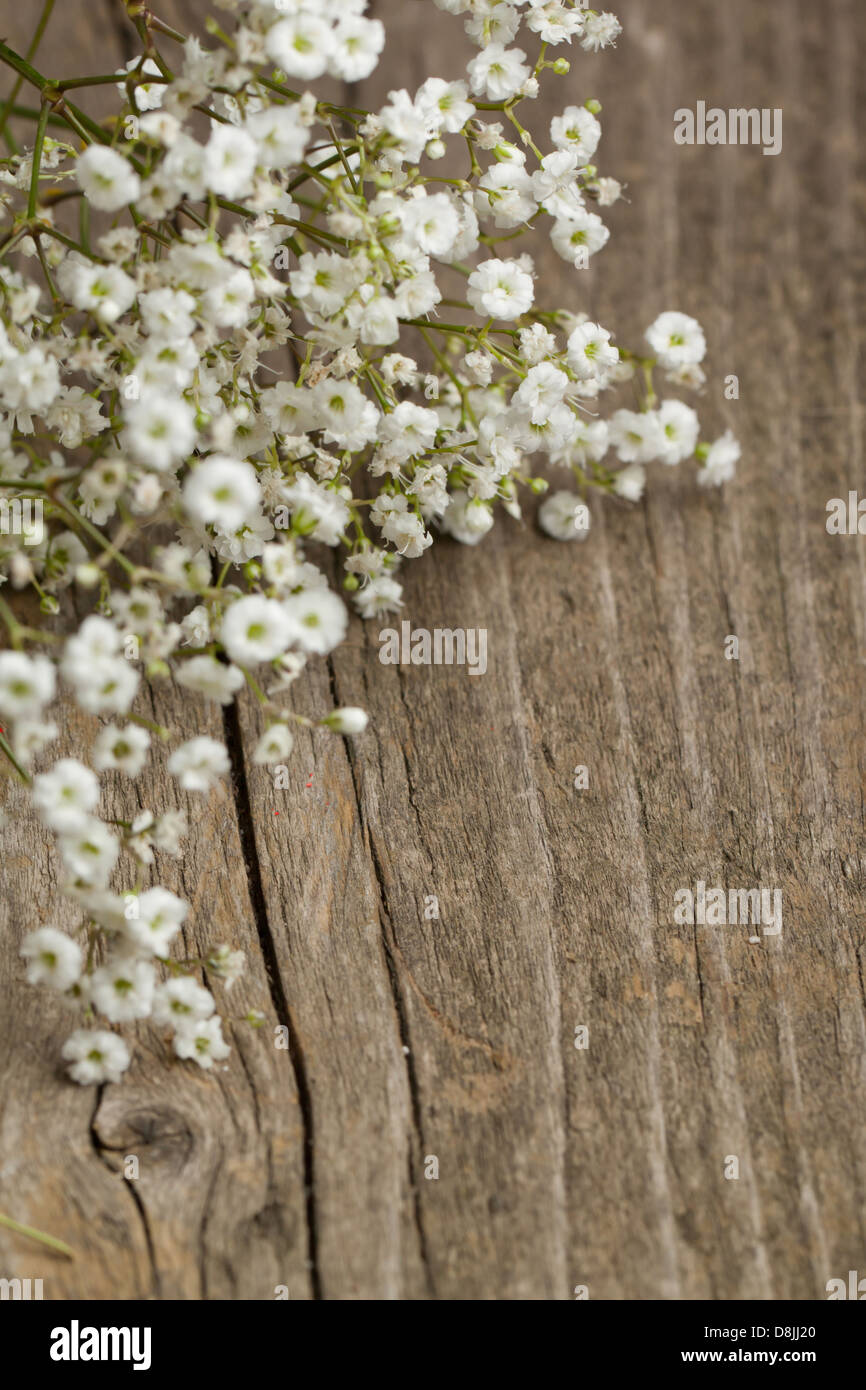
{"points": [[247, 835], [389, 947]]}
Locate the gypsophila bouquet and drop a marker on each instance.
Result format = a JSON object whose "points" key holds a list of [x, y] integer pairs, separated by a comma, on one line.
{"points": [[235, 318]]}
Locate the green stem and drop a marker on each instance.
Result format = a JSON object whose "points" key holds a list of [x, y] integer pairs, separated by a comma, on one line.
{"points": [[162, 28], [12, 624], [37, 161], [6, 749], [34, 44], [95, 130], [31, 1231], [30, 113]]}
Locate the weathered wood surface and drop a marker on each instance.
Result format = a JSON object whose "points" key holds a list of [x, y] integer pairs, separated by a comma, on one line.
{"points": [[454, 1038]]}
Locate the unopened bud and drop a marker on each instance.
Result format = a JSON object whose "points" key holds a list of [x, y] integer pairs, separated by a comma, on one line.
{"points": [[87, 576], [349, 720]]}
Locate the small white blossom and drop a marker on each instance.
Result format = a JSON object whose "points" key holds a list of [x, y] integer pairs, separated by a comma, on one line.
{"points": [[564, 516], [677, 340], [53, 958], [199, 763], [721, 461], [275, 744], [124, 749], [500, 289], [96, 1055], [201, 1041], [107, 179]]}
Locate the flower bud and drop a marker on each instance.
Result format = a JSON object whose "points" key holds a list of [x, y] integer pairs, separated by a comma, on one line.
{"points": [[88, 576], [349, 720]]}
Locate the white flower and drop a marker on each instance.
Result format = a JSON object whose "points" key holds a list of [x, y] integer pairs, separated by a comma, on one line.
{"points": [[210, 677], [506, 194], [577, 130], [498, 72], [467, 519], [26, 683], [66, 795], [96, 640], [600, 30], [680, 428], [123, 989], [536, 343], [411, 124], [376, 321], [199, 763], [320, 511], [323, 281], [109, 687], [554, 23], [54, 958], [542, 388], [676, 340], [494, 23], [480, 367], [255, 629], [609, 192], [721, 461], [108, 180], [629, 482], [500, 289], [348, 720], [579, 234], [587, 443], [226, 964], [275, 744], [564, 516], [160, 430], [157, 919], [229, 161], [104, 681], [409, 430], [400, 524], [636, 435], [554, 186], [105, 291], [445, 103], [590, 351], [148, 95], [124, 749], [227, 303], [30, 737], [432, 223], [357, 43], [301, 45], [280, 136], [180, 1002], [201, 1041], [167, 314], [89, 852], [222, 491], [317, 620], [382, 595], [96, 1055]]}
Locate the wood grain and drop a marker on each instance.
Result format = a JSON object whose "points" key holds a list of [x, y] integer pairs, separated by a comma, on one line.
{"points": [[454, 1037]]}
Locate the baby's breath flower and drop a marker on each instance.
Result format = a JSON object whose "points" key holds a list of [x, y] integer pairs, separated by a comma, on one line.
{"points": [[156, 454]]}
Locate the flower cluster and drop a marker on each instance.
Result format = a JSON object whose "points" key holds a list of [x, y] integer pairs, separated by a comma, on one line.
{"points": [[237, 321]]}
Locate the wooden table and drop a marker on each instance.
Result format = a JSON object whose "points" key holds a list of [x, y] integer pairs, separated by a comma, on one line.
{"points": [[454, 1038]]}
